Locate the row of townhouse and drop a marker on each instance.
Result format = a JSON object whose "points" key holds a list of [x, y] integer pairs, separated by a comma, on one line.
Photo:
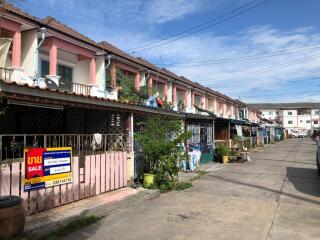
{"points": [[304, 117], [47, 48], [59, 88]]}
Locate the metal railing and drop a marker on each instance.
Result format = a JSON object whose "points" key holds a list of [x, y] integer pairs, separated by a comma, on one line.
{"points": [[5, 74], [13, 145], [79, 88]]}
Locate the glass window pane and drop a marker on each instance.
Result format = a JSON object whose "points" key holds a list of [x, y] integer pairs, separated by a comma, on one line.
{"points": [[44, 68]]}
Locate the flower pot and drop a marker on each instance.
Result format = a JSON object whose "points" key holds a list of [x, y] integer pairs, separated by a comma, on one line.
{"points": [[148, 179], [12, 217], [225, 159]]}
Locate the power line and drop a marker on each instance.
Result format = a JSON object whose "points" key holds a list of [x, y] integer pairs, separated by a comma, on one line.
{"points": [[173, 39], [192, 28], [281, 94], [241, 58], [232, 84], [268, 69]]}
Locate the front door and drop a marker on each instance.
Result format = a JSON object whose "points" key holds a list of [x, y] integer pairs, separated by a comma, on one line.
{"points": [[203, 139]]}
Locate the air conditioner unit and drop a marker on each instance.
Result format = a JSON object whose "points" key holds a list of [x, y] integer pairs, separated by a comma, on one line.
{"points": [[52, 82]]}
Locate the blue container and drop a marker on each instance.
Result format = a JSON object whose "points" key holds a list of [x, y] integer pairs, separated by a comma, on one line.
{"points": [[193, 161]]}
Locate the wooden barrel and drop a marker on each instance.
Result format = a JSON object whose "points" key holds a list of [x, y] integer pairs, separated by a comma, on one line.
{"points": [[12, 216]]}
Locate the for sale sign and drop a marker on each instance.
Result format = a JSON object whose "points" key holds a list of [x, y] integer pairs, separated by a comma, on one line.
{"points": [[47, 167]]}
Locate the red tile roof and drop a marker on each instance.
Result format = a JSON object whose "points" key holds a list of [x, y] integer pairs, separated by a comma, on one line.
{"points": [[140, 105], [12, 9], [56, 25]]}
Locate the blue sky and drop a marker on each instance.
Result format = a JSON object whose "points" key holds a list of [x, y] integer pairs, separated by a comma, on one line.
{"points": [[268, 54]]}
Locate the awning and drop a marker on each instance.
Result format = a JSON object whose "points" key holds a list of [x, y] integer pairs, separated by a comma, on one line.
{"points": [[56, 98], [211, 114], [198, 116], [4, 49], [265, 120], [220, 120]]}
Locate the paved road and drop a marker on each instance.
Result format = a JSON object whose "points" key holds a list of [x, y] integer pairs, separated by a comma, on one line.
{"points": [[276, 196]]}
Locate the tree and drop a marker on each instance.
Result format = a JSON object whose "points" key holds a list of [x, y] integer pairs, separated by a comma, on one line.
{"points": [[162, 141]]}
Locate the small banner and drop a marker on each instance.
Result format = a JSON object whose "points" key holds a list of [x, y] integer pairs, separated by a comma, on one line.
{"points": [[47, 167]]}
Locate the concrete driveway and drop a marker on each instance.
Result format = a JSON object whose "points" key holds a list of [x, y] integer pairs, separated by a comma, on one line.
{"points": [[276, 196]]}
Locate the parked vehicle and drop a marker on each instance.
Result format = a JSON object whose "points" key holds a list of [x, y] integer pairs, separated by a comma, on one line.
{"points": [[298, 134]]}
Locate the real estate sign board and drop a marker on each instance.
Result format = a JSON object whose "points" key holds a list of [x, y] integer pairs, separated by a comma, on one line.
{"points": [[47, 167]]}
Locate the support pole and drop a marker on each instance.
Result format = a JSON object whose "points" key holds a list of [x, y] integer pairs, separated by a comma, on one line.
{"points": [[229, 133], [250, 136], [0, 163]]}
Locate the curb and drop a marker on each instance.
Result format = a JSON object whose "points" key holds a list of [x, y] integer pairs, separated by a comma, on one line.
{"points": [[99, 212]]}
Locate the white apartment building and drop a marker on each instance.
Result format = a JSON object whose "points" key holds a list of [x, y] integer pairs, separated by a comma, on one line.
{"points": [[292, 116]]}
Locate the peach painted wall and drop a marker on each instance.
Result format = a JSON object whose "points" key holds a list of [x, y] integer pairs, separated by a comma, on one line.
{"points": [[28, 49]]}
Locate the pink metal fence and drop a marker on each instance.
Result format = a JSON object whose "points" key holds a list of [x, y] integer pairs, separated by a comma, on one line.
{"points": [[100, 173]]}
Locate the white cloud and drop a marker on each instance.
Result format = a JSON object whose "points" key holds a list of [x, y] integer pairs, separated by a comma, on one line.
{"points": [[161, 11], [270, 73]]}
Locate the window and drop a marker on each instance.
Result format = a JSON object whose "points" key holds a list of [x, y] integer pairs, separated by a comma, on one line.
{"points": [[290, 122], [304, 111], [308, 121], [289, 113], [315, 122], [270, 113], [65, 74], [300, 121], [197, 100], [317, 112], [44, 68], [220, 107]]}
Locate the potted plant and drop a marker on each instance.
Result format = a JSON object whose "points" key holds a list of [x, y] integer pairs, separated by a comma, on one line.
{"points": [[223, 151], [161, 142]]}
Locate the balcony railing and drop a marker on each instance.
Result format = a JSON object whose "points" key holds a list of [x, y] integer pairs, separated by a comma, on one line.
{"points": [[81, 89], [12, 146], [5, 74]]}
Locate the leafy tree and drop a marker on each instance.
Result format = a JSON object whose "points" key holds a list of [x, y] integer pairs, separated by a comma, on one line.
{"points": [[161, 141], [128, 91]]}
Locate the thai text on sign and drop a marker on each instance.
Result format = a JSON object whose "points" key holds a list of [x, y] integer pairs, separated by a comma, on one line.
{"points": [[47, 167]]}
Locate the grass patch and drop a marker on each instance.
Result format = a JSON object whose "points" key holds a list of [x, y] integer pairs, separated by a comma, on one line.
{"points": [[200, 173], [175, 186], [68, 228], [182, 186]]}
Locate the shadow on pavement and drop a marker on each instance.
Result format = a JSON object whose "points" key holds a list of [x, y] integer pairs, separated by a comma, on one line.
{"points": [[262, 188], [305, 180], [277, 160]]}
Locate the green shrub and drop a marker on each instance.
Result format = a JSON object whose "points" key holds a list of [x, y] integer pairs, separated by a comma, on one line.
{"points": [[179, 186], [161, 143], [165, 186], [246, 143], [223, 150]]}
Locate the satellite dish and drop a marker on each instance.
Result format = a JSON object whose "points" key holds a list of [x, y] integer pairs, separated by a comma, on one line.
{"points": [[52, 82]]}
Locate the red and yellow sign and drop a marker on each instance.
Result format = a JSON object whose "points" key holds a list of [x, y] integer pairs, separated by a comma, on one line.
{"points": [[46, 167], [34, 163]]}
